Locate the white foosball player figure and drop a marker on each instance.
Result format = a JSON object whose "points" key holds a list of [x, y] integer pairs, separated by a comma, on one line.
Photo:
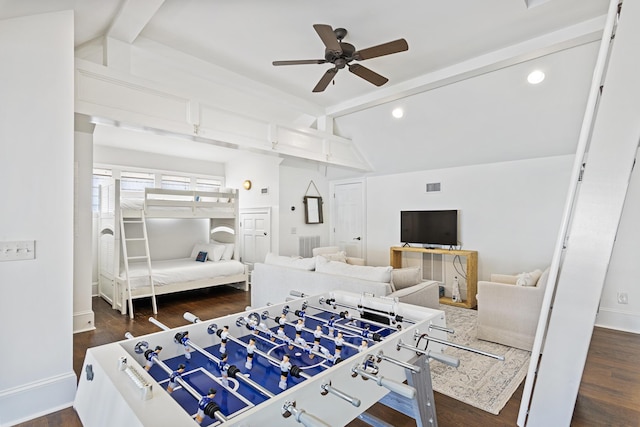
{"points": [[251, 347], [224, 336], [285, 366]]}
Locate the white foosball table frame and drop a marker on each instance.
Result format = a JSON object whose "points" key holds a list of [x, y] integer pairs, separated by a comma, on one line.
{"points": [[107, 396]]}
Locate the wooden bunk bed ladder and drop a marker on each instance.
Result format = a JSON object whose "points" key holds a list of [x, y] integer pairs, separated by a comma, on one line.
{"points": [[140, 223]]}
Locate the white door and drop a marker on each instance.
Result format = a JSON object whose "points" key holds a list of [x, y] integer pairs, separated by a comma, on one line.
{"points": [[348, 218], [255, 229]]}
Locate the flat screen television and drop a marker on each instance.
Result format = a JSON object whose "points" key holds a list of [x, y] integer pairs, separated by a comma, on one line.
{"points": [[429, 227]]}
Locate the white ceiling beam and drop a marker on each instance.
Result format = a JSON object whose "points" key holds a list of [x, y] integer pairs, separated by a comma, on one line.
{"points": [[567, 38], [133, 16]]}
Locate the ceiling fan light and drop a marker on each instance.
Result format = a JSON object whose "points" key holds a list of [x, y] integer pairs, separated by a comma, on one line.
{"points": [[535, 77], [397, 113]]}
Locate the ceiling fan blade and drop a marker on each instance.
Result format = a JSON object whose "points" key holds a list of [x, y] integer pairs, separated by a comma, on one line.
{"points": [[300, 62], [325, 80], [328, 37], [395, 46], [368, 75]]}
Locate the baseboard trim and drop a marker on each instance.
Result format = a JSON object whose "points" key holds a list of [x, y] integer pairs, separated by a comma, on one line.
{"points": [[83, 321], [36, 399], [619, 320]]}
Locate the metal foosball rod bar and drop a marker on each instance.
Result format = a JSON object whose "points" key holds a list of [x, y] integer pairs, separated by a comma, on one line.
{"points": [[440, 328], [286, 310], [361, 308], [327, 388], [381, 356], [447, 360], [338, 326], [233, 371], [291, 342], [301, 416], [212, 409], [460, 346], [391, 385], [212, 329], [364, 333]]}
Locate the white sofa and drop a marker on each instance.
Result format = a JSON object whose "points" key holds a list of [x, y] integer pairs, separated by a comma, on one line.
{"points": [[272, 281]]}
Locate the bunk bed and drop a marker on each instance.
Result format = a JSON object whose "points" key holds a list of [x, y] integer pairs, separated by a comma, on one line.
{"points": [[128, 271]]}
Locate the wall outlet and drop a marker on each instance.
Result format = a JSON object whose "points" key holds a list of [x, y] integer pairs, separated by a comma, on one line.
{"points": [[623, 298]]}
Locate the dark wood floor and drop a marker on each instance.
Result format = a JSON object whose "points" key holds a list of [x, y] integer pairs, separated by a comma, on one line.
{"points": [[609, 393]]}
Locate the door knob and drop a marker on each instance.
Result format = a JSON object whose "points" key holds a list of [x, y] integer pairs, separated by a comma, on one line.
{"points": [[265, 233], [357, 238]]}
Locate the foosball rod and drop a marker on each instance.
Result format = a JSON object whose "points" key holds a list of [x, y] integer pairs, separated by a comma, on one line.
{"points": [[330, 338], [352, 328], [391, 385], [460, 346], [213, 410], [447, 360], [192, 318], [390, 315], [233, 373], [354, 401]]}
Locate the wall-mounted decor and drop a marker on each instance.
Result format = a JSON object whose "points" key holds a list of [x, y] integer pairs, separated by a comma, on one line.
{"points": [[247, 184], [312, 206]]}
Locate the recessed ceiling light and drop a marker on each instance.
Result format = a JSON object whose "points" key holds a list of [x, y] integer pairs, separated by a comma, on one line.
{"points": [[397, 113], [535, 77]]}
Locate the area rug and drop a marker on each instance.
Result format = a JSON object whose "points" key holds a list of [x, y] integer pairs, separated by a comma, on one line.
{"points": [[479, 381]]}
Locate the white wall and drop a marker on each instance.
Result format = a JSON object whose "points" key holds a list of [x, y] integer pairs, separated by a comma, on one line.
{"points": [[83, 317], [36, 165], [624, 269], [294, 182], [171, 238], [509, 212], [263, 172]]}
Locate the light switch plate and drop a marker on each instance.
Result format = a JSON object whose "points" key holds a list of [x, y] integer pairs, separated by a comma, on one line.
{"points": [[17, 250]]}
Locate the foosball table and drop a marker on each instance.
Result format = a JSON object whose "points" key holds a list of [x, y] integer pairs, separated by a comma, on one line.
{"points": [[317, 360]]}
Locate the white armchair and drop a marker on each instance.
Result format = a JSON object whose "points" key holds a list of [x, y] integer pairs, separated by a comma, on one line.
{"points": [[508, 312]]}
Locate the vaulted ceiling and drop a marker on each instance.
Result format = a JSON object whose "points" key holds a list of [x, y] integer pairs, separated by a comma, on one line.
{"points": [[462, 82]]}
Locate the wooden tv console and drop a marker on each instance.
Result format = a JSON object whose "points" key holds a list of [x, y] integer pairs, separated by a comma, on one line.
{"points": [[471, 269]]}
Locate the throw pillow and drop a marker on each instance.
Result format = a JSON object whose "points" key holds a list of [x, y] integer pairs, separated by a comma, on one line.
{"points": [[338, 256], [405, 277], [528, 278], [201, 257], [228, 249]]}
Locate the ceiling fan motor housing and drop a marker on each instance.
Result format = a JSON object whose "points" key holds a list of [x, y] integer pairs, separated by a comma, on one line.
{"points": [[340, 59]]}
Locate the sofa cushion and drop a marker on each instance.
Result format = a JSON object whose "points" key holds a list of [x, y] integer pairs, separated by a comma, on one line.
{"points": [[293, 262], [373, 274], [405, 277]]}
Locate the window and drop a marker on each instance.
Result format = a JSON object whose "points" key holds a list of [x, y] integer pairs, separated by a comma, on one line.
{"points": [[100, 177], [203, 184], [136, 181], [175, 182]]}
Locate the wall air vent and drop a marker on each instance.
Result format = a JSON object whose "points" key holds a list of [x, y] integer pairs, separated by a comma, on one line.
{"points": [[433, 187]]}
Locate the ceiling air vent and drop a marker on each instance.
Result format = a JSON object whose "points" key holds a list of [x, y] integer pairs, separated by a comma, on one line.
{"points": [[433, 187]]}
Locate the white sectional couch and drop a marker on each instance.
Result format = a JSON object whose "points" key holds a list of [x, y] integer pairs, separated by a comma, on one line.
{"points": [[273, 280]]}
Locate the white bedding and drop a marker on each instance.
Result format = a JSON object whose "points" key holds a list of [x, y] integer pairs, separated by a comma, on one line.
{"points": [[181, 270]]}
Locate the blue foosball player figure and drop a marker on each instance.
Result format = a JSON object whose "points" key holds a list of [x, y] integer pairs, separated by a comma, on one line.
{"points": [[207, 406], [173, 378]]}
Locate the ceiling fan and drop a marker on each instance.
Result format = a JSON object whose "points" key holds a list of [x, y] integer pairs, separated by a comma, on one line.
{"points": [[341, 54]]}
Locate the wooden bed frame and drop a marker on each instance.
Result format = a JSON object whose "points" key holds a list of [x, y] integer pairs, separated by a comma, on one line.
{"points": [[221, 208]]}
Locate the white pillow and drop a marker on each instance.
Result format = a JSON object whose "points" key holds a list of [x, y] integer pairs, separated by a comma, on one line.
{"points": [[298, 263], [528, 279], [405, 277], [325, 250], [214, 252], [373, 274], [228, 249], [337, 256], [218, 251]]}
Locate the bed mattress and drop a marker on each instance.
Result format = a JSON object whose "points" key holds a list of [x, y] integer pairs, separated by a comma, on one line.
{"points": [[181, 270]]}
